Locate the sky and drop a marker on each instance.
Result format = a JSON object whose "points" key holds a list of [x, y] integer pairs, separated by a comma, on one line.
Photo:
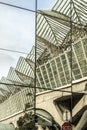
{"points": [[17, 30]]}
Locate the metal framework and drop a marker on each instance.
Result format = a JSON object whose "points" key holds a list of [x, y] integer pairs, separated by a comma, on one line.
{"points": [[53, 68]]}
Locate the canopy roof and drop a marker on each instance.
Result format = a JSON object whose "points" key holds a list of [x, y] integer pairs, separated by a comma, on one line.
{"points": [[54, 30]]}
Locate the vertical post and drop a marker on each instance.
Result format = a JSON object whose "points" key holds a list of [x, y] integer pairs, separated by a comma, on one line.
{"points": [[71, 104], [35, 64]]}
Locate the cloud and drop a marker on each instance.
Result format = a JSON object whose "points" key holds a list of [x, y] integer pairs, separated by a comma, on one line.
{"points": [[17, 32], [5, 58], [6, 61], [17, 29]]}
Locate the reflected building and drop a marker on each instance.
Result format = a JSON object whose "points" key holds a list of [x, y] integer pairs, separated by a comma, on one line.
{"points": [[59, 59]]}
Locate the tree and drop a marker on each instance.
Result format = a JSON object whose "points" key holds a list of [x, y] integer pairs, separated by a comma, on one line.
{"points": [[26, 122]]}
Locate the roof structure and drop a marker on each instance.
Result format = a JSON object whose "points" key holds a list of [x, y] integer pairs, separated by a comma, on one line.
{"points": [[63, 30], [61, 47]]}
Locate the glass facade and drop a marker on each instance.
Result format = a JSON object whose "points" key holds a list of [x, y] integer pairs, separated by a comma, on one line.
{"points": [[57, 72], [50, 82]]}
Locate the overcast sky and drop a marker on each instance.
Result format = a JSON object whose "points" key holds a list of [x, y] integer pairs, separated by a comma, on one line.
{"points": [[17, 30]]}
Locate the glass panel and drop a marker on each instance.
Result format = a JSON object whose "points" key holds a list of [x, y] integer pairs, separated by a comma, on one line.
{"points": [[17, 60], [45, 88]]}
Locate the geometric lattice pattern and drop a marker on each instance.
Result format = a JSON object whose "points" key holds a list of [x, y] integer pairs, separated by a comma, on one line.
{"points": [[61, 56]]}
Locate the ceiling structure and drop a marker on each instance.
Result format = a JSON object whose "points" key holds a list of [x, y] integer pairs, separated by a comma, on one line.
{"points": [[58, 29]]}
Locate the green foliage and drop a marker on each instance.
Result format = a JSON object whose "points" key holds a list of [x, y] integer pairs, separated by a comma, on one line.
{"points": [[26, 122]]}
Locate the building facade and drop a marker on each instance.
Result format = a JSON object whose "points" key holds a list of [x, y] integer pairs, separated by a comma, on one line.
{"points": [[54, 71]]}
